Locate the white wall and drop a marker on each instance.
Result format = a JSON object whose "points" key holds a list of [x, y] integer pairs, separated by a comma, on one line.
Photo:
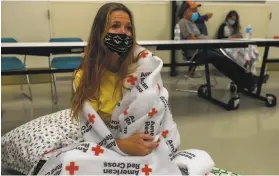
{"points": [[273, 27], [77, 17], [74, 19], [26, 22]]}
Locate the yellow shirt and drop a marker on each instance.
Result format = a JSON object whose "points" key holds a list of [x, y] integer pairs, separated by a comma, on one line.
{"points": [[108, 98]]}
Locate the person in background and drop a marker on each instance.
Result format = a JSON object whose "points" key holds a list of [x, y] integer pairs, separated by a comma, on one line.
{"points": [[195, 31], [246, 57], [200, 22], [190, 31], [231, 27], [200, 19]]}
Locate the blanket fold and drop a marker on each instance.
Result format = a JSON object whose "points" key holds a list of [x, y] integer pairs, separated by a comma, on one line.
{"points": [[144, 109], [245, 57]]}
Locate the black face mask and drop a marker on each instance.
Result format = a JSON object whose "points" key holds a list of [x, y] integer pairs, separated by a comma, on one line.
{"points": [[118, 43]]}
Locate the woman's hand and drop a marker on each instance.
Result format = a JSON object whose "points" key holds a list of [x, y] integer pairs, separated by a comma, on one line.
{"points": [[236, 36], [137, 145], [209, 15]]}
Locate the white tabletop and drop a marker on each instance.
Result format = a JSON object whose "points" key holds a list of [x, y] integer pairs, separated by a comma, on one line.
{"points": [[162, 42], [147, 42], [43, 44], [260, 39]]}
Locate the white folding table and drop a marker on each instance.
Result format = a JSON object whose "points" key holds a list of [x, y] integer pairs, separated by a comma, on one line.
{"points": [[45, 49]]}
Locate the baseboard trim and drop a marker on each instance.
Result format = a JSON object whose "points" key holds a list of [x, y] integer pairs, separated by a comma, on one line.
{"points": [[46, 78], [34, 79], [272, 66]]}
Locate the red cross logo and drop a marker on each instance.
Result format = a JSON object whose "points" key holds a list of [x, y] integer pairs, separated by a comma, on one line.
{"points": [[143, 55], [159, 88], [97, 150], [125, 112], [91, 118], [164, 133], [72, 168], [132, 80], [146, 170], [152, 113]]}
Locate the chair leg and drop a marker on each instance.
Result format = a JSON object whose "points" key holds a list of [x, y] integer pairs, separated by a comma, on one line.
{"points": [[29, 88], [214, 80], [189, 78], [51, 87], [21, 88], [2, 113], [54, 97], [185, 90], [54, 91]]}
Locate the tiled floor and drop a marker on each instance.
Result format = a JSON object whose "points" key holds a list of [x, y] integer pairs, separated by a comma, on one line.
{"points": [[245, 141]]}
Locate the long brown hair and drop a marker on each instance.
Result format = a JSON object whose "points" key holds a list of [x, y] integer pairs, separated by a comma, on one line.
{"points": [[97, 57]]}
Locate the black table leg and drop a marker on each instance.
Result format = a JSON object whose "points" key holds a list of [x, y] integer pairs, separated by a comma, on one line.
{"points": [[269, 99], [173, 23], [173, 64], [266, 50], [207, 76]]}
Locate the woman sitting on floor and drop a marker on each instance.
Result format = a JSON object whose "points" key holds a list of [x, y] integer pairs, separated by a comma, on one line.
{"points": [[123, 110]]}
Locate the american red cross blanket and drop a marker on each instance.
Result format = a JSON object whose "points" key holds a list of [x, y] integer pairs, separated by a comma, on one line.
{"points": [[143, 109], [245, 57]]}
